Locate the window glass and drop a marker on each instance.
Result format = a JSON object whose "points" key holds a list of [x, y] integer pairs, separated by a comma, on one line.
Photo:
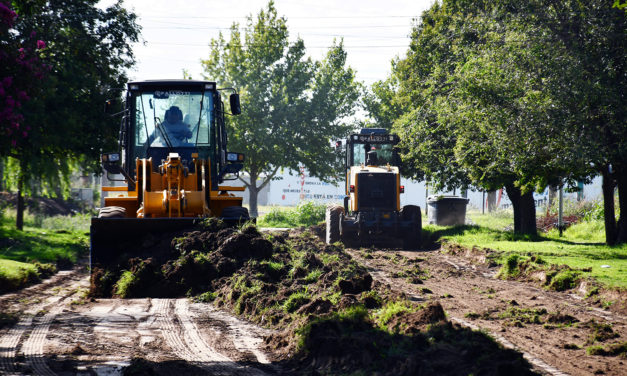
{"points": [[177, 117], [385, 153]]}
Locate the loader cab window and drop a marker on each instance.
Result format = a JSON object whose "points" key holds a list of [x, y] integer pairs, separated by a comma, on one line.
{"points": [[385, 153], [177, 118]]}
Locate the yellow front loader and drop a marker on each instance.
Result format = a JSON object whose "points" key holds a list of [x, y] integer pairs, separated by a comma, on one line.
{"points": [[171, 166]]}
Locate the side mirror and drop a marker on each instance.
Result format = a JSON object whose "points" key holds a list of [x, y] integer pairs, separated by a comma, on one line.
{"points": [[235, 106]]}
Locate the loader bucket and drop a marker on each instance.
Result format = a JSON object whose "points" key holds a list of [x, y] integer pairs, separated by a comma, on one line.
{"points": [[115, 237]]}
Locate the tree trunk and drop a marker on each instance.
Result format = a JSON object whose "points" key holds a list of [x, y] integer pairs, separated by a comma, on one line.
{"points": [[552, 196], [621, 181], [253, 191], [515, 197], [608, 207], [19, 217], [528, 214], [491, 201]]}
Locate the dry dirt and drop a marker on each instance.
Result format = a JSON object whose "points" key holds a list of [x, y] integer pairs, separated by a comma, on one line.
{"points": [[552, 329], [62, 332], [59, 330]]}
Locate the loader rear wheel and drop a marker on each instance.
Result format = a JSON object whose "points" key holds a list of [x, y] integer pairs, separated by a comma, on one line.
{"points": [[112, 212], [412, 236], [332, 217], [239, 212]]}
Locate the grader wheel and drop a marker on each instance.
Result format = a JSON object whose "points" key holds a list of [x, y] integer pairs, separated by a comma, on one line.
{"points": [[332, 217], [413, 235]]}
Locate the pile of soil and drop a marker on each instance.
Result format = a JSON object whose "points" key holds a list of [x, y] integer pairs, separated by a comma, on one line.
{"points": [[41, 205], [550, 221], [323, 304]]}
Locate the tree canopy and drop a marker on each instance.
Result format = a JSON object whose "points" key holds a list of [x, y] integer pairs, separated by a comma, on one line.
{"points": [[292, 105], [87, 53], [512, 94]]}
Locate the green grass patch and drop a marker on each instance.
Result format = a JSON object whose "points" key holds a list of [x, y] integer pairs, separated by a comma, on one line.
{"points": [[581, 247], [307, 213], [30, 255]]}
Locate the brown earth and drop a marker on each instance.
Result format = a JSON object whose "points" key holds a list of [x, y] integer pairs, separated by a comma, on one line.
{"points": [[553, 329], [310, 310]]}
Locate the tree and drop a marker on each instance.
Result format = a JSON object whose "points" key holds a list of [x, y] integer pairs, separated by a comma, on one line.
{"points": [[292, 106], [515, 94], [88, 52]]}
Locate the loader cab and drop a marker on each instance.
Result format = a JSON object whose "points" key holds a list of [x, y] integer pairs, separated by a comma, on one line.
{"points": [[182, 116], [373, 142]]}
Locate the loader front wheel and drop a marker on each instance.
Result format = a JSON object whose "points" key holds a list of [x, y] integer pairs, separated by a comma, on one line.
{"points": [[238, 212], [112, 212], [332, 217]]}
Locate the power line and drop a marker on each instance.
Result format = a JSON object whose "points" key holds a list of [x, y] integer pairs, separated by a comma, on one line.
{"points": [[257, 45]]}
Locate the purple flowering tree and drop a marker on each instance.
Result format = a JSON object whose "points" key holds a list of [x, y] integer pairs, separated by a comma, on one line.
{"points": [[21, 71]]}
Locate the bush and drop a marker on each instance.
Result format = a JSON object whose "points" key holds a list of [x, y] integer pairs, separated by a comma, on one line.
{"points": [[307, 213]]}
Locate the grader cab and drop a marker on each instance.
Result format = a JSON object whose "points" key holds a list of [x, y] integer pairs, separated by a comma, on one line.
{"points": [[171, 165], [372, 210]]}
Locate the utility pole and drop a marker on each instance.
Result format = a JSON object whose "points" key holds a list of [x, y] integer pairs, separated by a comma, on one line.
{"points": [[560, 215]]}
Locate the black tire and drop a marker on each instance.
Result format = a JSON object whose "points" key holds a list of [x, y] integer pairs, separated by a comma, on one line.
{"points": [[112, 212], [332, 217], [236, 212], [413, 236]]}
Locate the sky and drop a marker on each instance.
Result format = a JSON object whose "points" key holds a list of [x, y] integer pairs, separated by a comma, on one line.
{"points": [[176, 33]]}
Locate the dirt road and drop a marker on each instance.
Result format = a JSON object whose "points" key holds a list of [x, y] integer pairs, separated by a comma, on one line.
{"points": [[552, 329], [58, 330], [61, 332]]}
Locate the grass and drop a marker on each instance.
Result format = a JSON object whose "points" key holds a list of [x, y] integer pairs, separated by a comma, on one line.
{"points": [[305, 214], [24, 255], [581, 247]]}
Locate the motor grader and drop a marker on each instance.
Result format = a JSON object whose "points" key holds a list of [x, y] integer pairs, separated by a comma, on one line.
{"points": [[371, 212], [171, 166]]}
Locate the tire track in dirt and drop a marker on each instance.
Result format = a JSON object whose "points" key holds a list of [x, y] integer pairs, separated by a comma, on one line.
{"points": [[29, 297], [9, 344], [245, 337], [182, 335], [33, 347]]}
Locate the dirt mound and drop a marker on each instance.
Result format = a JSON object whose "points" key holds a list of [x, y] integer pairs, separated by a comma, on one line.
{"points": [[179, 263], [350, 343], [41, 205], [411, 323], [322, 300]]}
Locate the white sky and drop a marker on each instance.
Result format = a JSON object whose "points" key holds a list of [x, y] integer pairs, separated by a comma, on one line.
{"points": [[177, 32]]}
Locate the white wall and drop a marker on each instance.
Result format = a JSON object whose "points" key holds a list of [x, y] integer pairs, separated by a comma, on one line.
{"points": [[292, 189]]}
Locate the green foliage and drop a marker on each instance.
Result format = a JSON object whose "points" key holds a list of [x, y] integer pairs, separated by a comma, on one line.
{"points": [[295, 300], [306, 213], [564, 280], [292, 106], [125, 284], [496, 94], [313, 276], [391, 309], [510, 267], [88, 52]]}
